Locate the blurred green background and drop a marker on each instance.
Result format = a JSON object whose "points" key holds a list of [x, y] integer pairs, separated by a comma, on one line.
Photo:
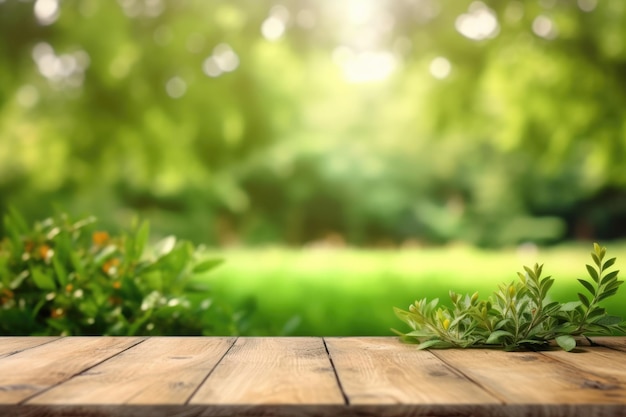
{"points": [[282, 130]]}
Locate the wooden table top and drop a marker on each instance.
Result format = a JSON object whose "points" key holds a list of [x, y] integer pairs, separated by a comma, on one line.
{"points": [[302, 376]]}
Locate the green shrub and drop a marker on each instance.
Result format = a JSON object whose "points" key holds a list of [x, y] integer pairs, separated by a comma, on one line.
{"points": [[68, 278], [520, 315]]}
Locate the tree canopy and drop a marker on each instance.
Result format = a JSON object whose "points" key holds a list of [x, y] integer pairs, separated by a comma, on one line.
{"points": [[367, 122]]}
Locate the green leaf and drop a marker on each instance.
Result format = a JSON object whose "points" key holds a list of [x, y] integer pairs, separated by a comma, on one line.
{"points": [[592, 272], [552, 308], [77, 263], [583, 299], [532, 342], [432, 305], [419, 333], [502, 323], [597, 249], [530, 272], [566, 342], [608, 263], [16, 220], [104, 254], [596, 260], [433, 343], [164, 246], [607, 294], [546, 284], [19, 279], [596, 313], [588, 286], [206, 265], [609, 321], [571, 306], [565, 328], [141, 238], [608, 277], [43, 281], [60, 271], [495, 337], [613, 284]]}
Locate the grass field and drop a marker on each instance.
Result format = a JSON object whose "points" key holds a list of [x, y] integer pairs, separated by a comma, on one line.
{"points": [[350, 292]]}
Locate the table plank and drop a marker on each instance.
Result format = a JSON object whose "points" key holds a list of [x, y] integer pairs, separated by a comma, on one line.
{"points": [[607, 363], [290, 370], [14, 344], [530, 378], [158, 376], [612, 342], [383, 371], [161, 370], [31, 371]]}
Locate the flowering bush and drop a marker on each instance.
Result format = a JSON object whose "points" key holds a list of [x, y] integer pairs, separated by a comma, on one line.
{"points": [[61, 277]]}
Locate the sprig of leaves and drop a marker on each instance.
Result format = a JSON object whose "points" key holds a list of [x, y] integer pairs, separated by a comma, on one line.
{"points": [[519, 315]]}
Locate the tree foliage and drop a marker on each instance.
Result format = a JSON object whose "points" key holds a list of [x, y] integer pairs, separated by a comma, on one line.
{"points": [[490, 122]]}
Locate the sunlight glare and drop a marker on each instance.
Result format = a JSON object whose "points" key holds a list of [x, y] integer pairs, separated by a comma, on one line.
{"points": [[544, 27], [224, 59], [361, 11], [440, 68], [273, 28], [365, 66], [64, 69], [479, 23], [46, 11], [587, 5], [176, 87]]}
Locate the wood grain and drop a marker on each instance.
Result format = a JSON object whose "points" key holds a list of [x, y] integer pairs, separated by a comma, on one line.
{"points": [[533, 378], [10, 345], [30, 371], [303, 377], [607, 364], [612, 342], [163, 370], [378, 371], [272, 371]]}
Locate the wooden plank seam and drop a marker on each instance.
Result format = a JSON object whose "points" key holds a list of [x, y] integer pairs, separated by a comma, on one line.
{"points": [[60, 382], [211, 371], [346, 399]]}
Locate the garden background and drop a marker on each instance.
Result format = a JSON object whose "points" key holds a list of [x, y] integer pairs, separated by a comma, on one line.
{"points": [[342, 157]]}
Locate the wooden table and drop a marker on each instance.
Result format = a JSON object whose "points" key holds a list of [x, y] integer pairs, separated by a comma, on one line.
{"points": [[302, 376]]}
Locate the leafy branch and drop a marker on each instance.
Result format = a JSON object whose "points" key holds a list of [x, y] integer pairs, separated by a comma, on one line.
{"points": [[519, 315]]}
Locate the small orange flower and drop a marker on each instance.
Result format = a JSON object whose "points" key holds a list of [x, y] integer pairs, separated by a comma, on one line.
{"points": [[110, 266], [45, 251], [57, 312], [117, 285], [100, 238], [69, 288]]}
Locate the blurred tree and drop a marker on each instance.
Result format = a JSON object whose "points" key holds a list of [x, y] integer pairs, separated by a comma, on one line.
{"points": [[376, 121]]}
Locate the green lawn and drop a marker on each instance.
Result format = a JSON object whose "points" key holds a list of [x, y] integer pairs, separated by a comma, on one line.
{"points": [[349, 292]]}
